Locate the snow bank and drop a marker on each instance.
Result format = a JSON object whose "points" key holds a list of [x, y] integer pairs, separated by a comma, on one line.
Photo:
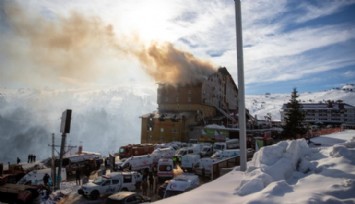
{"points": [[275, 163]]}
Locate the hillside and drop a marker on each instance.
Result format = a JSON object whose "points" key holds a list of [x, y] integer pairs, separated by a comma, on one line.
{"points": [[260, 105]]}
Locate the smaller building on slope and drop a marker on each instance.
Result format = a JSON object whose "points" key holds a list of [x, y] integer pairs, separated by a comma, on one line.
{"points": [[330, 113]]}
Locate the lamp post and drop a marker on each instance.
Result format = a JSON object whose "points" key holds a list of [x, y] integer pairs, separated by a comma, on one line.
{"points": [[241, 94]]}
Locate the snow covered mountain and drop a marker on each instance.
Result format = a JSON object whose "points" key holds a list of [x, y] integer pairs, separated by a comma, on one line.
{"points": [[260, 105], [103, 119]]}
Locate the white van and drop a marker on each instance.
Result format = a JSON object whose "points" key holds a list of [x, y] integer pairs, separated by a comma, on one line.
{"points": [[219, 146], [189, 161], [136, 163], [226, 154], [109, 184], [232, 144], [205, 165]]}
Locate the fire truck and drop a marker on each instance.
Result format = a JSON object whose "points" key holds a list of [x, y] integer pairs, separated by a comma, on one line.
{"points": [[135, 150]]}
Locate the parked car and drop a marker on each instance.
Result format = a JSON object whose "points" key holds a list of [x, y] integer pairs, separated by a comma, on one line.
{"points": [[126, 197], [181, 184]]}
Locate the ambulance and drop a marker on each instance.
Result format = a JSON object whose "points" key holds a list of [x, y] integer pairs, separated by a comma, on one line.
{"points": [[165, 169]]}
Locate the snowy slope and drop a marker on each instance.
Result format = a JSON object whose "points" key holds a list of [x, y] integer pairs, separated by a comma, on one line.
{"points": [[260, 105]]}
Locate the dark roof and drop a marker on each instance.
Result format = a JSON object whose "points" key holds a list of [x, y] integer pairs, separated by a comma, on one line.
{"points": [[322, 106]]}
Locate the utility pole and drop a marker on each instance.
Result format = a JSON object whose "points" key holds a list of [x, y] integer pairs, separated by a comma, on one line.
{"points": [[53, 161], [241, 94], [64, 129]]}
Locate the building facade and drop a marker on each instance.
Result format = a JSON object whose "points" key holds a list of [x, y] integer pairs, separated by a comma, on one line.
{"points": [[183, 108], [330, 113]]}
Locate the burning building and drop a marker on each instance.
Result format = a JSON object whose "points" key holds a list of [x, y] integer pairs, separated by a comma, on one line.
{"points": [[184, 109]]}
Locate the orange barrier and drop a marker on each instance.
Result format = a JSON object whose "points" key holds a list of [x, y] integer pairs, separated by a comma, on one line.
{"points": [[325, 131]]}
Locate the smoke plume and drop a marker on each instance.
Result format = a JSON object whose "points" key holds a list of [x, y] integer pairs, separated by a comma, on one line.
{"points": [[40, 51], [166, 64], [75, 49]]}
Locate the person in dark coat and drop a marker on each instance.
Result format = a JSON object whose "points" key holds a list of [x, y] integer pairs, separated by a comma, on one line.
{"points": [[77, 176], [18, 160], [151, 182], [46, 179]]}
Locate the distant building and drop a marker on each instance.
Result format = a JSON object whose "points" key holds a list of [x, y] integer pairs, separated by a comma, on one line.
{"points": [[329, 113], [182, 109]]}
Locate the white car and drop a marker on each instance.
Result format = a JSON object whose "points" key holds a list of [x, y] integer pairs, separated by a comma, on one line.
{"points": [[109, 184]]}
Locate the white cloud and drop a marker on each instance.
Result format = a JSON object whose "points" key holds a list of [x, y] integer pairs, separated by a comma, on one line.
{"points": [[273, 52], [349, 74], [324, 8]]}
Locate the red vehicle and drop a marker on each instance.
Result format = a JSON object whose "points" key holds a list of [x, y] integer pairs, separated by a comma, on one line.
{"points": [[135, 150]]}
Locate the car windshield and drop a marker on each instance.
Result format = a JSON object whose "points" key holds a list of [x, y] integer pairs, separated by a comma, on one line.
{"points": [[181, 152], [205, 149], [219, 146], [100, 180]]}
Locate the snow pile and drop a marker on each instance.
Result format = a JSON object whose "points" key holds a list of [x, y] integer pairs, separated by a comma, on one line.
{"points": [[274, 163], [287, 172]]}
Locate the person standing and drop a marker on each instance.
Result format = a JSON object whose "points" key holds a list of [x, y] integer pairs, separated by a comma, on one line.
{"points": [[144, 187], [45, 179], [77, 176], [18, 160], [151, 183]]}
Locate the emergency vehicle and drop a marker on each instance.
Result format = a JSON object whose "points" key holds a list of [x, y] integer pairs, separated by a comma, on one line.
{"points": [[135, 150], [165, 169], [189, 161], [136, 163], [109, 184]]}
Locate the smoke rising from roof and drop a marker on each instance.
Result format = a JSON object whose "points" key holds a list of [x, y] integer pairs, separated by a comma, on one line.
{"points": [[39, 51], [167, 64], [74, 49]]}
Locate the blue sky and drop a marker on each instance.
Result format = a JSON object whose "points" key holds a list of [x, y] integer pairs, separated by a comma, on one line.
{"points": [[309, 45]]}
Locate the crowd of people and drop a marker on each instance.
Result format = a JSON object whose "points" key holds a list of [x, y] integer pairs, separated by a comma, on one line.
{"points": [[31, 158]]}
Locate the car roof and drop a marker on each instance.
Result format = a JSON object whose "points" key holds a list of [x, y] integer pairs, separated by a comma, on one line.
{"points": [[121, 195]]}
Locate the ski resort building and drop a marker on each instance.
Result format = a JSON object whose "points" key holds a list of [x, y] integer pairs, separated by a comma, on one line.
{"points": [[183, 110], [330, 113]]}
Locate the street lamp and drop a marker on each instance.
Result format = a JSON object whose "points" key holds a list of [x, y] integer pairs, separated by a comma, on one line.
{"points": [[241, 94]]}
